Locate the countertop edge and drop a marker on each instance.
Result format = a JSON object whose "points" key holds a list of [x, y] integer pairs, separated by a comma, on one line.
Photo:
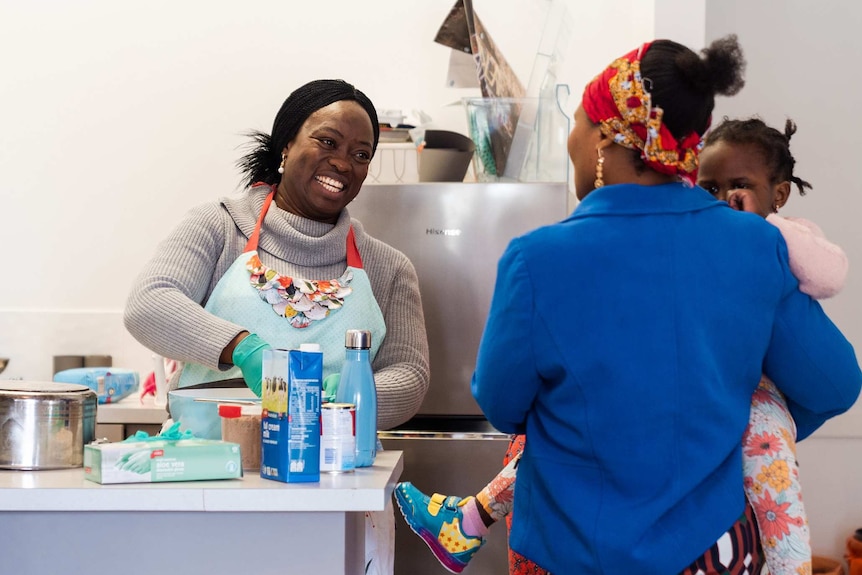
{"points": [[367, 489]]}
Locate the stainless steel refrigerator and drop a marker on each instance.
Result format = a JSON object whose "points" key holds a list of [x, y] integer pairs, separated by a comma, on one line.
{"points": [[454, 233]]}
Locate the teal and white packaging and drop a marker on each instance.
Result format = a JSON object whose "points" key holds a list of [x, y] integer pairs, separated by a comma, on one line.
{"points": [[290, 420], [111, 384]]}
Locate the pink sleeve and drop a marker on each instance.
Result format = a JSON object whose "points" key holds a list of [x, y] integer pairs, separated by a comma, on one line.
{"points": [[819, 265]]}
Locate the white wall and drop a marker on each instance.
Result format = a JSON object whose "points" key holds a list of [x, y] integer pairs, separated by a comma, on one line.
{"points": [[681, 20], [115, 118]]}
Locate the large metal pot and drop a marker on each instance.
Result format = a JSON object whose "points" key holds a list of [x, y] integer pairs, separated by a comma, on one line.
{"points": [[45, 425]]}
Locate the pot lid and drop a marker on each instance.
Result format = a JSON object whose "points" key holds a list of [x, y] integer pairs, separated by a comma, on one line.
{"points": [[52, 387]]}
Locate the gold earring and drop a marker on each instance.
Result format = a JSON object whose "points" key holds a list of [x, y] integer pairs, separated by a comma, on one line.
{"points": [[775, 208], [599, 170], [281, 167]]}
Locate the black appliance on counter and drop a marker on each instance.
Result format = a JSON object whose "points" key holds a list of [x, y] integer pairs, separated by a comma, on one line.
{"points": [[454, 233]]}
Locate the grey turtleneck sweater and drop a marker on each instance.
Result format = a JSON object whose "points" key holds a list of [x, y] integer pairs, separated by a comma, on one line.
{"points": [[165, 308]]}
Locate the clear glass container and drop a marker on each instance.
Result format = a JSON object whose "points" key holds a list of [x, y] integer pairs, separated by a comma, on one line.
{"points": [[518, 139]]}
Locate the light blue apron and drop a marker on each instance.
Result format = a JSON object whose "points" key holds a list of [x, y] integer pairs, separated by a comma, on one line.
{"points": [[236, 300]]}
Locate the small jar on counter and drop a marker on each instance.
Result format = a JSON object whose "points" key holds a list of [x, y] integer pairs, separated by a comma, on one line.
{"points": [[241, 424]]}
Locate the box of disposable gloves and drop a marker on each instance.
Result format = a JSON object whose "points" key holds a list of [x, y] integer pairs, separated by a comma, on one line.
{"points": [[157, 459]]}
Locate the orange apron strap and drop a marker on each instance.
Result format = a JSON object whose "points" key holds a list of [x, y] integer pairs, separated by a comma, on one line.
{"points": [[255, 237], [354, 260]]}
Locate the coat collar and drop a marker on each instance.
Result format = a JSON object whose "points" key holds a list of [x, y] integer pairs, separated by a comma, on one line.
{"points": [[632, 199]]}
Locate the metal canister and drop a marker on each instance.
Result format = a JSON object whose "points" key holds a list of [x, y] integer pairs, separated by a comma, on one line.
{"points": [[337, 437], [45, 425]]}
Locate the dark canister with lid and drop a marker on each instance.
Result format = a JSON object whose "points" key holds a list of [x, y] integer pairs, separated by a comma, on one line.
{"points": [[45, 425]]}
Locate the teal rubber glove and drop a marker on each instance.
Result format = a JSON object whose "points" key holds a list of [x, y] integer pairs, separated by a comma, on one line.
{"points": [[248, 357], [330, 387]]}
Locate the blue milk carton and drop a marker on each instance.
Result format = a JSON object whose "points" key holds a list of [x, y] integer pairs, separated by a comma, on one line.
{"points": [[290, 420]]}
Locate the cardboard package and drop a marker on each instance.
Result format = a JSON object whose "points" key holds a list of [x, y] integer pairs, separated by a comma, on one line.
{"points": [[290, 422], [159, 460]]}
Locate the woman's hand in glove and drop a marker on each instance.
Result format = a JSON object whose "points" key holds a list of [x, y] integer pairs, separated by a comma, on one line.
{"points": [[248, 357], [330, 387]]}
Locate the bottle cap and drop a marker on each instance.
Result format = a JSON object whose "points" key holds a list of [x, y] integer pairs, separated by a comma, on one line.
{"points": [[230, 411], [312, 347], [357, 339]]}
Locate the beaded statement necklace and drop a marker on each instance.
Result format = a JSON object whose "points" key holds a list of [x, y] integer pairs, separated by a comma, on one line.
{"points": [[300, 301]]}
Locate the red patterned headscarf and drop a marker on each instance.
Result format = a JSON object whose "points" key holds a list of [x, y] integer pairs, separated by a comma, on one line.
{"points": [[619, 102]]}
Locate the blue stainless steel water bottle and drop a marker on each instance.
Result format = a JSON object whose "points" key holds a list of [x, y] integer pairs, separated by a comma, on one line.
{"points": [[357, 387]]}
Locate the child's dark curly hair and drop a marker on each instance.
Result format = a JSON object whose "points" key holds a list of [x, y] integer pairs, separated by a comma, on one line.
{"points": [[774, 145]]}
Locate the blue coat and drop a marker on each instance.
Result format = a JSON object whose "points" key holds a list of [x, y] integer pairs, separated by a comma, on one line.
{"points": [[626, 342]]}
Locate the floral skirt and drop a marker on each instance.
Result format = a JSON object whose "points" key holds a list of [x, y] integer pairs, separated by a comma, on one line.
{"points": [[518, 564]]}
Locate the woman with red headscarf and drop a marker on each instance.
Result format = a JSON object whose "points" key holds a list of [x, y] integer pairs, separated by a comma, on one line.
{"points": [[627, 341]]}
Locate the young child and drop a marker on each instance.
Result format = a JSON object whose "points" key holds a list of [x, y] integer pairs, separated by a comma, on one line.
{"points": [[749, 165]]}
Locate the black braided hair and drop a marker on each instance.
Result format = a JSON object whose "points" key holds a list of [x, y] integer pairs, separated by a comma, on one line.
{"points": [[684, 84], [262, 162], [774, 145]]}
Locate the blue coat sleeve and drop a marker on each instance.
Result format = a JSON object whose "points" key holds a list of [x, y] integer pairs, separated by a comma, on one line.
{"points": [[506, 381], [809, 359]]}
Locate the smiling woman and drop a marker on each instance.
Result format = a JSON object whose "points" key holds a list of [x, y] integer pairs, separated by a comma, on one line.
{"points": [[205, 298], [325, 165], [325, 134], [255, 271]]}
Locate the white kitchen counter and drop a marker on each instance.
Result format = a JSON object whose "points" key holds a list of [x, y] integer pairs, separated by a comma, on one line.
{"points": [[57, 518], [131, 410]]}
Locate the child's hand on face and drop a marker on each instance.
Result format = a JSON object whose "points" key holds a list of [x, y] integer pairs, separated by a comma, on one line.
{"points": [[745, 201]]}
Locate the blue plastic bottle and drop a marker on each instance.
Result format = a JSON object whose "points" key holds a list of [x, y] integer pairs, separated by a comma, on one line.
{"points": [[357, 387]]}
